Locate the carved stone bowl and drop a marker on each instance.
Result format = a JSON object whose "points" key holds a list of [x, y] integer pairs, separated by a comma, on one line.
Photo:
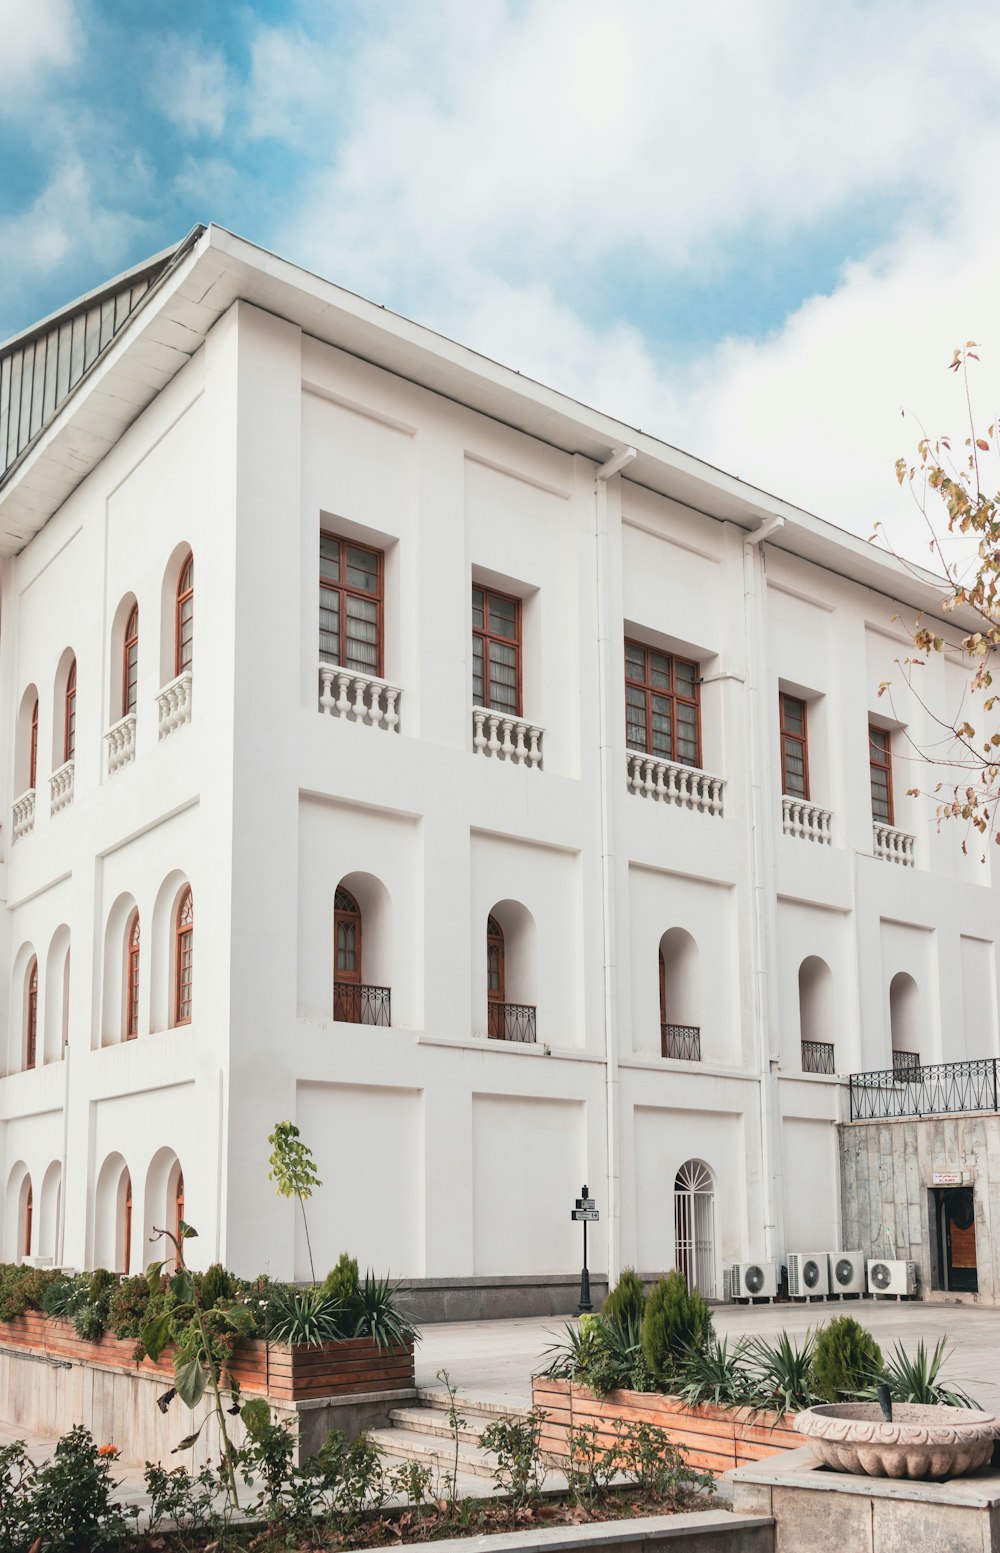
{"points": [[921, 1442]]}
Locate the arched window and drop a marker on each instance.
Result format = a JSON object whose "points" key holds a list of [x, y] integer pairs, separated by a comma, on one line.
{"points": [[680, 1024], [33, 746], [816, 1015], [184, 618], [347, 962], [69, 714], [510, 973], [179, 1205], [31, 1016], [694, 1226], [184, 958], [29, 1210], [495, 977], [132, 980], [130, 662], [904, 1022], [127, 1226]]}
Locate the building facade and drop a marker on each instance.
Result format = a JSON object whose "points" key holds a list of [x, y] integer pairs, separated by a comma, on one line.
{"points": [[397, 746]]}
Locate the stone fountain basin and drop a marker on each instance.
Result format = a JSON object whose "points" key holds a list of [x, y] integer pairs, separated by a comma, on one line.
{"points": [[921, 1442]]}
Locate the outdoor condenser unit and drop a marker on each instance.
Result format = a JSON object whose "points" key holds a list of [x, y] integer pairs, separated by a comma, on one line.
{"points": [[892, 1277], [847, 1272], [753, 1281], [808, 1274]]}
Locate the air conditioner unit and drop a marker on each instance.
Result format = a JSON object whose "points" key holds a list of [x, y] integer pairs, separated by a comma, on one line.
{"points": [[892, 1277], [808, 1274], [847, 1272], [753, 1281]]}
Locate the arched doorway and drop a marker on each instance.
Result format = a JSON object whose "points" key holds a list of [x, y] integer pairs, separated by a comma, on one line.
{"points": [[694, 1226]]}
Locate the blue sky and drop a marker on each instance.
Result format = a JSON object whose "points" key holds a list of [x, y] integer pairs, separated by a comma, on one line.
{"points": [[755, 230]]}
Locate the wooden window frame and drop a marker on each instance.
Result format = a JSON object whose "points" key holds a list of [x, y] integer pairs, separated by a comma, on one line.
{"points": [[346, 915], [790, 737], [31, 1016], [486, 636], [185, 594], [495, 940], [130, 640], [881, 765], [346, 590], [132, 940], [29, 1214], [183, 943], [33, 748], [69, 715], [672, 695]]}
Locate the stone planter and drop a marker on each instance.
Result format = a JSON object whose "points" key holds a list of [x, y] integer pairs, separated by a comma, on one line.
{"points": [[921, 1442]]}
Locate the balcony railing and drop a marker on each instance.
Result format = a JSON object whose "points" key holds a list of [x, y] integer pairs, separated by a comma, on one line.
{"points": [[355, 1004], [669, 782], [905, 1062], [511, 1022], [22, 820], [682, 1042], [174, 703], [61, 787], [805, 820], [817, 1057], [893, 845], [360, 698], [934, 1089], [120, 741], [507, 738]]}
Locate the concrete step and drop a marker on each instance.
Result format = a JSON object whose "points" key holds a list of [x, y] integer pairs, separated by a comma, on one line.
{"points": [[468, 1407], [434, 1421], [434, 1452]]}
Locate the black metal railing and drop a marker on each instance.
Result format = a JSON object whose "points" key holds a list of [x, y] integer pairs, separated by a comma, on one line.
{"points": [[934, 1089], [817, 1057], [682, 1042], [511, 1022], [905, 1062], [355, 1004]]}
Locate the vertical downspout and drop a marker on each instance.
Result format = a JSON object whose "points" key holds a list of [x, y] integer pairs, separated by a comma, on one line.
{"points": [[762, 879], [611, 466]]}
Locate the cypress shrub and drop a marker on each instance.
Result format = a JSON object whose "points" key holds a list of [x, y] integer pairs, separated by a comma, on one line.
{"points": [[341, 1282], [676, 1322], [846, 1359], [627, 1300]]}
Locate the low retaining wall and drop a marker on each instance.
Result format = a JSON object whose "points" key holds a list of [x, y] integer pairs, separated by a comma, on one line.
{"points": [[713, 1439], [429, 1300], [700, 1531]]}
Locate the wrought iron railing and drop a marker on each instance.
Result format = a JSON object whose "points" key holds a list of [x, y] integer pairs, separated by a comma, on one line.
{"points": [[355, 1004], [682, 1042], [817, 1057], [931, 1089], [511, 1022], [905, 1062]]}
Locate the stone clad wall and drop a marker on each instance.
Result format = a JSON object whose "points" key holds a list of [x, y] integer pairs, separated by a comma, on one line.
{"points": [[886, 1169]]}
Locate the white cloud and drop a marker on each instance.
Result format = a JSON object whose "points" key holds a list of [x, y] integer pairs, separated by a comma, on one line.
{"points": [[191, 85], [36, 38]]}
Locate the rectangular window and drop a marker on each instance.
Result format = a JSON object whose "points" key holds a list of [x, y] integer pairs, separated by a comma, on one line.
{"points": [[880, 766], [662, 716], [350, 605], [496, 652], [794, 748]]}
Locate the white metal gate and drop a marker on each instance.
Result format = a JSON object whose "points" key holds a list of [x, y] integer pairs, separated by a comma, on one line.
{"points": [[694, 1226]]}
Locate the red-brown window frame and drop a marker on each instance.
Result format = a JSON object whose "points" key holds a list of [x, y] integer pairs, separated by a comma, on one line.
{"points": [[183, 941], [646, 685], [789, 736], [29, 1213], [185, 593], [69, 714], [881, 765], [486, 635], [31, 1016], [130, 640], [495, 944], [377, 598], [33, 747], [346, 915], [132, 977]]}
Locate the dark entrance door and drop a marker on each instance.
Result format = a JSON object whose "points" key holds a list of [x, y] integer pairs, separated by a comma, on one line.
{"points": [[957, 1239]]}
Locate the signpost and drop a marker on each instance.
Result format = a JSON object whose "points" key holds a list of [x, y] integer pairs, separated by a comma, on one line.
{"points": [[586, 1213]]}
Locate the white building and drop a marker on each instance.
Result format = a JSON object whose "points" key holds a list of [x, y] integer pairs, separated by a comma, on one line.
{"points": [[531, 854]]}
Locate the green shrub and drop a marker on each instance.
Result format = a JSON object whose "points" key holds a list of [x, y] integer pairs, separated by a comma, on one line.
{"points": [[627, 1300], [677, 1320], [341, 1282], [128, 1307], [23, 1288], [846, 1359], [59, 1295], [214, 1286]]}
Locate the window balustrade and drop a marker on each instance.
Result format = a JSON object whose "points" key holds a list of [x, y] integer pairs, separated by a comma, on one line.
{"points": [[506, 738], [356, 1004], [905, 1062], [174, 704], [681, 1042], [120, 742], [668, 782], [806, 821], [23, 815], [511, 1022], [895, 846], [360, 698], [817, 1057], [61, 787]]}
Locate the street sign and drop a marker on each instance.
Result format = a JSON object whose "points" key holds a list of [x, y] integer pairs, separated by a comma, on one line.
{"points": [[586, 1202], [586, 1215]]}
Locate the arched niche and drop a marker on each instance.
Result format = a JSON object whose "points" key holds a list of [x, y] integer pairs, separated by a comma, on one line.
{"points": [[14, 1055], [113, 1218], [56, 1014], [375, 906], [27, 714], [816, 1021], [520, 951], [169, 611], [160, 1195], [49, 1207], [161, 956], [905, 1014], [114, 984], [63, 713], [116, 663], [16, 1199], [680, 988]]}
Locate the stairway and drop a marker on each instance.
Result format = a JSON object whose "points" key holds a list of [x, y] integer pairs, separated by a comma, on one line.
{"points": [[421, 1432]]}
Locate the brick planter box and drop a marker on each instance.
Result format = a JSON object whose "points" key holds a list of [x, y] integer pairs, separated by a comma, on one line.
{"points": [[713, 1439], [354, 1366]]}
